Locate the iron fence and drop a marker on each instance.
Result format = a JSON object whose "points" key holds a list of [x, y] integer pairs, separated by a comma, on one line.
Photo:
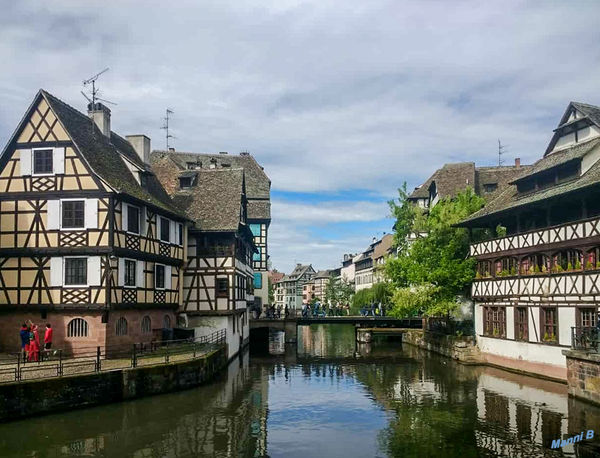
{"points": [[585, 338], [17, 367]]}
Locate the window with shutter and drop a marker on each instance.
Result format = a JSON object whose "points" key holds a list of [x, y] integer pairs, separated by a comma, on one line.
{"points": [[165, 230], [42, 161], [75, 271], [130, 273], [159, 276], [73, 214]]}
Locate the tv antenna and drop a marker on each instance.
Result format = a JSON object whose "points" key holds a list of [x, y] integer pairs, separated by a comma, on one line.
{"points": [[501, 152], [95, 91], [166, 126]]}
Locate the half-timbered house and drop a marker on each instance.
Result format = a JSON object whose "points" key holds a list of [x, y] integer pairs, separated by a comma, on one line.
{"points": [[538, 287], [89, 240], [218, 277], [176, 170]]}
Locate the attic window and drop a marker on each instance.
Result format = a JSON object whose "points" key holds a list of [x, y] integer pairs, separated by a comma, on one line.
{"points": [[185, 182], [224, 164], [143, 179], [193, 165], [490, 187]]}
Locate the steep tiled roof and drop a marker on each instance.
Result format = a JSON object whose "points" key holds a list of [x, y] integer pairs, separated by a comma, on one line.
{"points": [[298, 271], [104, 156], [510, 198], [258, 185], [214, 203], [560, 157], [383, 248], [322, 274], [453, 178], [591, 111]]}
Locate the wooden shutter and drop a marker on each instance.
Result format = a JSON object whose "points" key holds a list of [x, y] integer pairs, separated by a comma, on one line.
{"points": [[91, 213], [94, 271], [123, 216], [25, 162], [121, 277], [167, 277], [56, 271], [141, 276], [143, 216], [53, 215], [58, 161], [173, 231]]}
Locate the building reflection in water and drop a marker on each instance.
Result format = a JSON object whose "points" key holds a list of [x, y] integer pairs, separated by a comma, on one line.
{"points": [[218, 419]]}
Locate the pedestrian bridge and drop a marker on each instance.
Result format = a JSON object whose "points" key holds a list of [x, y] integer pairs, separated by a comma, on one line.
{"points": [[290, 325]]}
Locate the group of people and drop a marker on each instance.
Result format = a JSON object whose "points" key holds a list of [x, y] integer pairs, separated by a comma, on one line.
{"points": [[320, 310], [30, 340], [373, 310]]}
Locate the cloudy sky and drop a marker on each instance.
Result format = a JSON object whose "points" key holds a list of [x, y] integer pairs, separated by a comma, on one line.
{"points": [[340, 101]]}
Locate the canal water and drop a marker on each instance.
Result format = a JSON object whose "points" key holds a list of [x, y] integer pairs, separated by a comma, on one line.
{"points": [[326, 397]]}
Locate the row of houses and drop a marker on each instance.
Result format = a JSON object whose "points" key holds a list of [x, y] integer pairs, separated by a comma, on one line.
{"points": [[112, 243]]}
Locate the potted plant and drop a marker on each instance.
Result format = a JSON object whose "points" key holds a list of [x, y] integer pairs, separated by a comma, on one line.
{"points": [[569, 266], [578, 265]]}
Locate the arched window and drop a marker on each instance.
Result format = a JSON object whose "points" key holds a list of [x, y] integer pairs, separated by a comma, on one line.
{"points": [[167, 322], [567, 260], [146, 325], [121, 327], [77, 327], [506, 266], [484, 269], [535, 264]]}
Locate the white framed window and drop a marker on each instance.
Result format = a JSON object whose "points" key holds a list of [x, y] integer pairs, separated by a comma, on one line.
{"points": [[159, 276], [72, 214], [77, 327], [42, 160], [165, 230], [133, 219], [121, 328], [130, 273], [75, 271]]}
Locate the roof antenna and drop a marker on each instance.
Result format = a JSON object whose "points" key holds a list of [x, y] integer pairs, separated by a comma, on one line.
{"points": [[166, 126], [94, 93], [501, 152]]}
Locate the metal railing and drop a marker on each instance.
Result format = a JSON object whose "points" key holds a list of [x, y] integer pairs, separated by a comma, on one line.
{"points": [[585, 338], [57, 363]]}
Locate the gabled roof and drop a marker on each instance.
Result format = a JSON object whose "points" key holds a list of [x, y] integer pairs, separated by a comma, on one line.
{"points": [[453, 178], [385, 247], [509, 198], [215, 202], [591, 116], [299, 270], [322, 274], [104, 156], [258, 184]]}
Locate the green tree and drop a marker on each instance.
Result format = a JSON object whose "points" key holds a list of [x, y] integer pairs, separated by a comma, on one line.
{"points": [[271, 289], [439, 259]]}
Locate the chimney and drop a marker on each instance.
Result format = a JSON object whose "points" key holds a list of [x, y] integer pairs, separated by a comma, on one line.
{"points": [[100, 114], [141, 145], [517, 162]]}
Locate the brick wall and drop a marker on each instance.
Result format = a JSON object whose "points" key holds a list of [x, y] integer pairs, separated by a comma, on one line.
{"points": [[583, 375]]}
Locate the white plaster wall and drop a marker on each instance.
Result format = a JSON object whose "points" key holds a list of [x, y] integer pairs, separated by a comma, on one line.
{"points": [[510, 322], [478, 320], [566, 319], [539, 353], [590, 159], [205, 325], [588, 133], [564, 141], [534, 324]]}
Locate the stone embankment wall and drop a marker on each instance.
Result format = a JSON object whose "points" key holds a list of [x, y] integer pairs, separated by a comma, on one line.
{"points": [[24, 399], [463, 349], [583, 375]]}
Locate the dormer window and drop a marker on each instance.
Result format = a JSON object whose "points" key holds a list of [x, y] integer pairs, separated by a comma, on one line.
{"points": [[42, 161], [490, 187], [143, 180], [193, 165], [185, 182]]}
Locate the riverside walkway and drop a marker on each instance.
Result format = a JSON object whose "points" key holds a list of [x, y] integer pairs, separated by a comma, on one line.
{"points": [[55, 363]]}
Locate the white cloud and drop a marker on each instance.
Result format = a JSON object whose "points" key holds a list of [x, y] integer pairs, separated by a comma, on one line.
{"points": [[328, 95], [324, 213]]}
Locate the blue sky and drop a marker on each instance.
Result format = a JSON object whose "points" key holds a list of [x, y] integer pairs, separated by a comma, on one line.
{"points": [[340, 101]]}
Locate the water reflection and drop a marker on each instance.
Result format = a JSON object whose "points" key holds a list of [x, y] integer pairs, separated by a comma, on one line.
{"points": [[326, 397]]}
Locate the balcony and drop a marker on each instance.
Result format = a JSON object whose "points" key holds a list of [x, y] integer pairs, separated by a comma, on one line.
{"points": [[554, 234], [571, 285]]}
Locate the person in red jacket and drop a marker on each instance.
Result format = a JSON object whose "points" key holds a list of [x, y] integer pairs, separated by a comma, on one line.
{"points": [[34, 343], [48, 337]]}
